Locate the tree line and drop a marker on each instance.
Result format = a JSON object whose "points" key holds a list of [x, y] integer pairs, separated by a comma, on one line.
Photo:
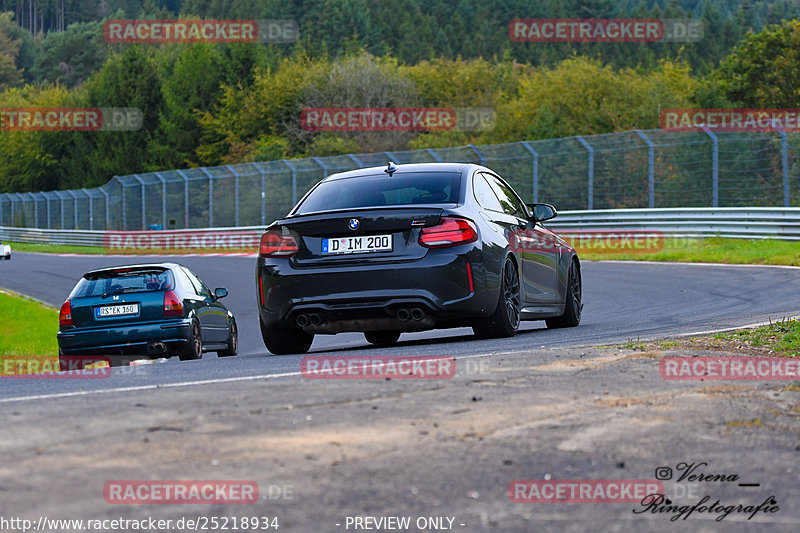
{"points": [[211, 104]]}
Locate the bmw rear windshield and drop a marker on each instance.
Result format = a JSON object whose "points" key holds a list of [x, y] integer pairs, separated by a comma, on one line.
{"points": [[123, 280], [412, 188]]}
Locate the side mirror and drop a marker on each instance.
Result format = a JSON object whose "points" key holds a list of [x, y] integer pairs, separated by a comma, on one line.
{"points": [[220, 293], [541, 212]]}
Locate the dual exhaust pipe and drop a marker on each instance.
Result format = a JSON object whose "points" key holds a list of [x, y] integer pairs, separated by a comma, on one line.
{"points": [[156, 348], [414, 313], [404, 314], [310, 319]]}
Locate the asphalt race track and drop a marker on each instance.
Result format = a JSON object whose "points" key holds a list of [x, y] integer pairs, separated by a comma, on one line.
{"points": [[623, 301], [545, 405]]}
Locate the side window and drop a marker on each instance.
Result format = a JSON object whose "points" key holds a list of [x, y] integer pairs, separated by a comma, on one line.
{"points": [[198, 285], [511, 204], [484, 194]]}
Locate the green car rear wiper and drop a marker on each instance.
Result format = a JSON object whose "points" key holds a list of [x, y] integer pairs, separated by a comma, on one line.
{"points": [[118, 290]]}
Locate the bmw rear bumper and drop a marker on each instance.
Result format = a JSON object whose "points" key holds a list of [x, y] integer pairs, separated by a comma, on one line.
{"points": [[368, 297]]}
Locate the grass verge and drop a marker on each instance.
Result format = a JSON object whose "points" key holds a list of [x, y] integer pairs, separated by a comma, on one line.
{"points": [[778, 339], [687, 250], [712, 250], [54, 248], [27, 334]]}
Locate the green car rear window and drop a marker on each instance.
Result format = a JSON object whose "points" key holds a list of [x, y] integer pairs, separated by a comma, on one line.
{"points": [[111, 282]]}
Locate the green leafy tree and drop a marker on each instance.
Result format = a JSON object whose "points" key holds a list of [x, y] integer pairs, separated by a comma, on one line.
{"points": [[69, 57], [764, 69]]}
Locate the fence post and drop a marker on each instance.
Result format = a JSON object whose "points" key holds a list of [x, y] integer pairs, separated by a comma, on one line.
{"points": [[141, 184], [434, 155], [1, 209], [123, 222], [479, 154], [784, 163], [185, 198], [74, 207], [235, 195], [714, 167], [11, 200], [263, 195], [294, 180], [105, 195], [47, 206], [163, 200], [535, 155], [590, 191], [651, 168], [322, 165], [35, 210], [358, 163], [210, 197], [91, 209], [61, 209]]}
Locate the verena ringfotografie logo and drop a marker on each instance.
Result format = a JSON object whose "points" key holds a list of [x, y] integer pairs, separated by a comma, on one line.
{"points": [[70, 119], [200, 31], [377, 367], [55, 367], [729, 368], [180, 492], [605, 30], [396, 119], [582, 490], [725, 120], [181, 242], [584, 241]]}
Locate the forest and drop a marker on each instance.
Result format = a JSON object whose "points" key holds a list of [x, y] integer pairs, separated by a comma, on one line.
{"points": [[206, 104]]}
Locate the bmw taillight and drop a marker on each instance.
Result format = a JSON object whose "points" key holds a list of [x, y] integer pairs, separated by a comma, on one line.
{"points": [[65, 315], [449, 232], [276, 244], [173, 306]]}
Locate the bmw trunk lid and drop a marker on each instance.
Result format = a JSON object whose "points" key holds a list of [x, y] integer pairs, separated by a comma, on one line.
{"points": [[387, 234]]}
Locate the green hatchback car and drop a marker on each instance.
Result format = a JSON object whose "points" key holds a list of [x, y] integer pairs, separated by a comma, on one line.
{"points": [[151, 310]]}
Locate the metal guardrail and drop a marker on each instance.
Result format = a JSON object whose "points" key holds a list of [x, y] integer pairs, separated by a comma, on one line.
{"points": [[732, 222], [740, 222]]}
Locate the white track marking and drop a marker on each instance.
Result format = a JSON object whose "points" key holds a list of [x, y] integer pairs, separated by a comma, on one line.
{"points": [[176, 385]]}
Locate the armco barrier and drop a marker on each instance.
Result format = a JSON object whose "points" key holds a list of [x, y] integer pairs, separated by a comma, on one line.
{"points": [[739, 222]]}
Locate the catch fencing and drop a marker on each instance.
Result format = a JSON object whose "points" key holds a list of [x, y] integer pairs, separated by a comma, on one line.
{"points": [[739, 222], [634, 169]]}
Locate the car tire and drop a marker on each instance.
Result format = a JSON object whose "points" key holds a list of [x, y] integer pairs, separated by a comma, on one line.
{"points": [[382, 338], [506, 318], [574, 303], [195, 348], [233, 342], [284, 341]]}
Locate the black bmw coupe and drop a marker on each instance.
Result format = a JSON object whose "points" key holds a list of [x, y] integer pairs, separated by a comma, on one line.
{"points": [[386, 250]]}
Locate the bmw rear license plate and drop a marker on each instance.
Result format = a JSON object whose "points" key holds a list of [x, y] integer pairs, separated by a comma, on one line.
{"points": [[116, 310], [357, 245]]}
